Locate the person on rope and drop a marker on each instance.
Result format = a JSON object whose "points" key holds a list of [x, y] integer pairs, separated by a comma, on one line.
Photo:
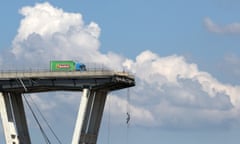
{"points": [[128, 118]]}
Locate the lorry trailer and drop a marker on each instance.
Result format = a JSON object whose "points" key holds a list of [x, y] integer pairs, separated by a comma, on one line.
{"points": [[66, 65]]}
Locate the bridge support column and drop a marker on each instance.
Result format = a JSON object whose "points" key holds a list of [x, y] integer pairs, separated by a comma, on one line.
{"points": [[14, 119], [89, 116]]}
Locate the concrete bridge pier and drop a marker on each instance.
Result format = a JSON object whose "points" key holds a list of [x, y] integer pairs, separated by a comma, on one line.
{"points": [[89, 116], [13, 118]]}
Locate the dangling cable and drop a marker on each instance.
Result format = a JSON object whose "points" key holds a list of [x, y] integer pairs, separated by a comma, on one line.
{"points": [[35, 117], [39, 125], [45, 120]]}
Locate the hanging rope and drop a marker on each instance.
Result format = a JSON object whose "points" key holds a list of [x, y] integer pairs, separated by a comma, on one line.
{"points": [[128, 109], [128, 115]]}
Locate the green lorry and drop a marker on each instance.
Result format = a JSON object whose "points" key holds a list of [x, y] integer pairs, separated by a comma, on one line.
{"points": [[67, 65]]}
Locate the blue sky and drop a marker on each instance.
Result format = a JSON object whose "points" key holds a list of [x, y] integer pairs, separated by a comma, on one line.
{"points": [[185, 56]]}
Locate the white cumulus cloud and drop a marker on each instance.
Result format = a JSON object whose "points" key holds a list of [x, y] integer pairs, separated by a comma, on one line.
{"points": [[47, 33], [178, 93]]}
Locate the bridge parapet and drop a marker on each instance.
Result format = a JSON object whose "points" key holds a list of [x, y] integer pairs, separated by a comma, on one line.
{"points": [[57, 80]]}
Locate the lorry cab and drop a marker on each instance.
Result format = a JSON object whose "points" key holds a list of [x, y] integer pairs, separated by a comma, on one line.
{"points": [[80, 67]]}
